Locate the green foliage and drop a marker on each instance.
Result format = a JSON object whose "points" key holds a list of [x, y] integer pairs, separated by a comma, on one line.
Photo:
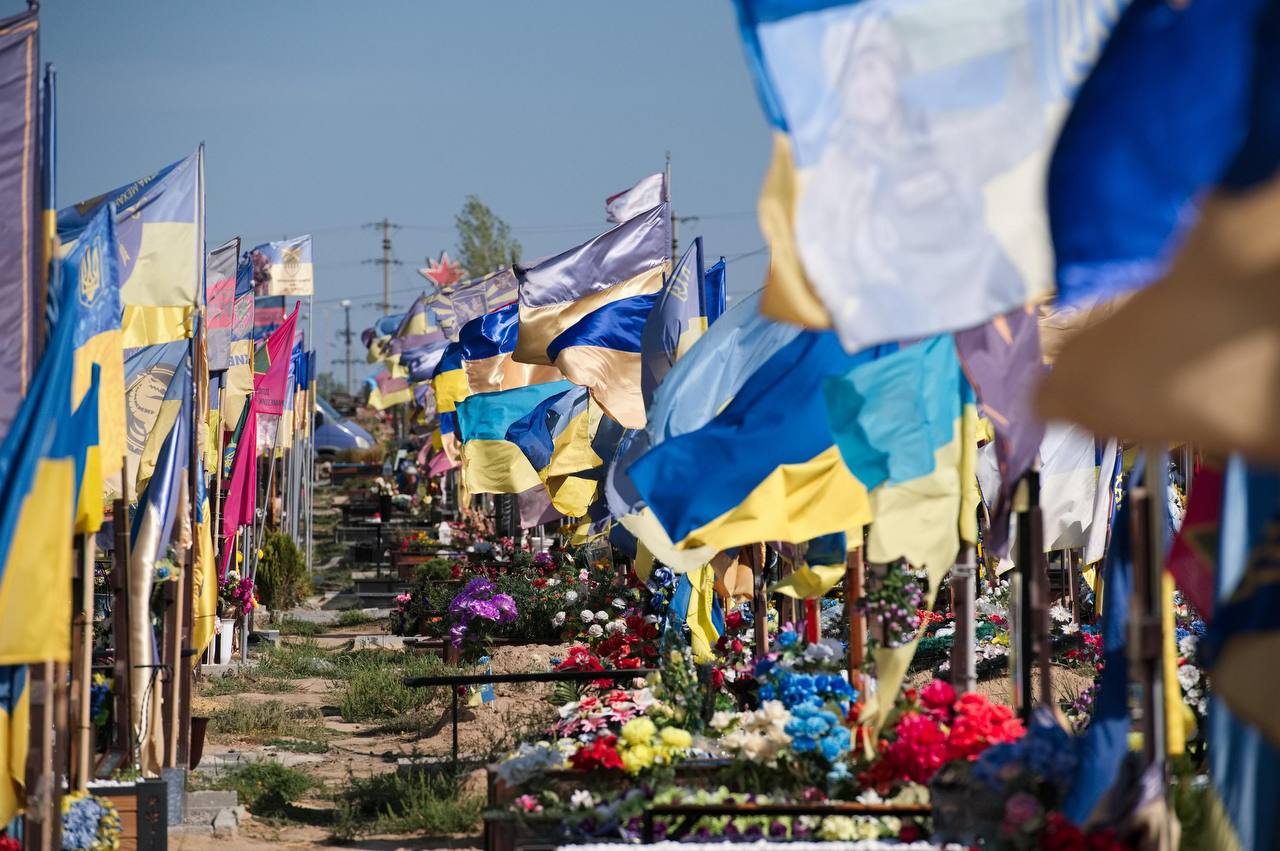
{"points": [[485, 243], [299, 745], [430, 803], [266, 788], [296, 626], [372, 684], [294, 660], [354, 617], [271, 719], [244, 680], [282, 578], [436, 570]]}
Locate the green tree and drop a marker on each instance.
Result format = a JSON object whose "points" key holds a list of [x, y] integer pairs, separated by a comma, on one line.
{"points": [[484, 239]]}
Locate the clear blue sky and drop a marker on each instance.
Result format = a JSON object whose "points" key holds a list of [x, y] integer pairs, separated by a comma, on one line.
{"points": [[321, 116]]}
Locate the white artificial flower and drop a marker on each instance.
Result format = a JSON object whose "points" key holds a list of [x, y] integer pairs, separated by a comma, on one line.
{"points": [[595, 630], [651, 618], [602, 616], [616, 626], [1187, 646], [553, 582], [583, 575], [582, 799], [722, 719], [588, 615], [1188, 676], [558, 620], [570, 596], [943, 632], [1071, 629], [642, 698], [1059, 613], [619, 603]]}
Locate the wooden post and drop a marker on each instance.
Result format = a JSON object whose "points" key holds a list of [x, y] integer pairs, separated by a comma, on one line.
{"points": [[1037, 572], [42, 819], [964, 582], [171, 633], [1146, 630], [82, 671], [786, 605], [759, 602], [1073, 580], [1020, 638], [120, 685], [853, 579]]}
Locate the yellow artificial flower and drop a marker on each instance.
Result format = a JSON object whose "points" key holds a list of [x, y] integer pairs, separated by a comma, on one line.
{"points": [[676, 738], [638, 731], [637, 758]]}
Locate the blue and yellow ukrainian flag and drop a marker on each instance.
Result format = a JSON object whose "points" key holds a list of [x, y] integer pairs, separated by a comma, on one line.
{"points": [[38, 461], [557, 437], [697, 388], [766, 467], [490, 462], [90, 267], [160, 248], [155, 380], [676, 321], [695, 606], [584, 310], [204, 574], [906, 426], [488, 343], [89, 477]]}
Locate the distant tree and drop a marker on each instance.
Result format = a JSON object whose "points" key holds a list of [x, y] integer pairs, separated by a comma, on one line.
{"points": [[484, 239], [327, 385]]}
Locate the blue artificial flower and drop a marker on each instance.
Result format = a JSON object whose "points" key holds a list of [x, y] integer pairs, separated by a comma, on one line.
{"points": [[766, 692], [1197, 626], [816, 726], [804, 711], [831, 748], [839, 771], [803, 744], [787, 638]]}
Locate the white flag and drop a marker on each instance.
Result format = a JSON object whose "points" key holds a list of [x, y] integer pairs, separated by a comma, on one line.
{"points": [[645, 195]]}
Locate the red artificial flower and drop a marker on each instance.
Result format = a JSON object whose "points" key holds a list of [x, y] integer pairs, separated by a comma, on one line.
{"points": [[599, 754], [1061, 835], [717, 677], [938, 696], [733, 620], [910, 832]]}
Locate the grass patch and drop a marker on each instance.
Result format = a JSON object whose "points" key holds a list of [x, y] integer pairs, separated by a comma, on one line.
{"points": [[299, 745], [243, 680], [267, 788], [423, 803], [297, 626], [271, 719], [373, 686], [295, 660], [354, 617]]}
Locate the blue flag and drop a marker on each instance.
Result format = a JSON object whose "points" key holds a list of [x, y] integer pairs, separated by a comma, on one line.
{"points": [[674, 323], [1157, 121]]}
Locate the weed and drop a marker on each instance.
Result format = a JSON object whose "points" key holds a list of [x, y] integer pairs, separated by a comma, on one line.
{"points": [[354, 617], [266, 788], [294, 660], [270, 719], [430, 803], [373, 686], [296, 626], [241, 681], [299, 745]]}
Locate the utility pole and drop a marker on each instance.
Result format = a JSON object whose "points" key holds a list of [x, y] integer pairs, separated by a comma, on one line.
{"points": [[346, 306], [675, 220], [386, 261]]}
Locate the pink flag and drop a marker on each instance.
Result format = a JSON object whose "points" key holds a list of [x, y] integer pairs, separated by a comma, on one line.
{"points": [[238, 508], [271, 367]]}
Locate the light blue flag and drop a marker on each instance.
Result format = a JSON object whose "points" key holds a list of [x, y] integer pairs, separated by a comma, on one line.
{"points": [[1121, 192], [917, 135], [889, 416], [536, 432], [696, 388], [675, 322]]}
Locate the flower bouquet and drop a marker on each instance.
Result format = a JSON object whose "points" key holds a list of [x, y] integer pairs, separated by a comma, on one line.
{"points": [[475, 615], [89, 823], [236, 595]]}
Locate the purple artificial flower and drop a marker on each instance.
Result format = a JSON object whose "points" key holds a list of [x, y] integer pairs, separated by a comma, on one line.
{"points": [[457, 633], [486, 609], [506, 608]]}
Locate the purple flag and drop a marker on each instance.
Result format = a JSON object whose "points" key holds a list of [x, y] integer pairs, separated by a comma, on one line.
{"points": [[1002, 361], [21, 305]]}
